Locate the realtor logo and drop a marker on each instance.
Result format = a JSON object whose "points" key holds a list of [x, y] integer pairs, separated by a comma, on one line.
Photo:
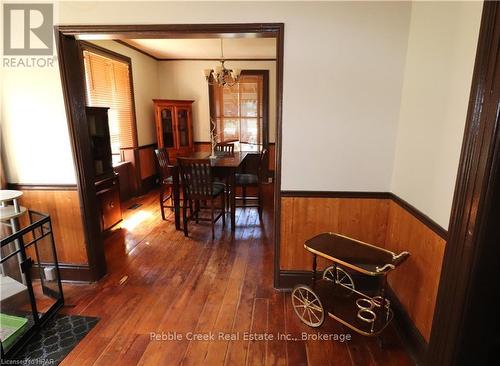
{"points": [[27, 29]]}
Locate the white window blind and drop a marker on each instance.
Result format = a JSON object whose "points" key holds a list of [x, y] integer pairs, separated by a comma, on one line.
{"points": [[239, 110], [108, 85]]}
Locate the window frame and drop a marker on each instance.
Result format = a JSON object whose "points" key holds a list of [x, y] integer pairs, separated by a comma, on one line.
{"points": [[90, 47], [265, 103]]}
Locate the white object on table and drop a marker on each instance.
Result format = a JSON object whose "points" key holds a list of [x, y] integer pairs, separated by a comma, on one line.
{"points": [[9, 195]]}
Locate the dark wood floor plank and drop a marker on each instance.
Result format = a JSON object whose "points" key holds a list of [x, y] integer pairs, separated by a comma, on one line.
{"points": [[236, 353], [184, 314], [257, 348], [124, 350], [217, 350], [338, 353], [198, 351], [276, 350], [160, 281], [358, 350], [296, 348], [391, 354]]}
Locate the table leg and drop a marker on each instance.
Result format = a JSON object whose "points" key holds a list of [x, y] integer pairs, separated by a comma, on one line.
{"points": [[18, 243], [177, 198], [232, 198], [315, 265], [384, 295]]}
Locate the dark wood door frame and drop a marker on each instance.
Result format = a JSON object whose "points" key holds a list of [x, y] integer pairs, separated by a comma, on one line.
{"points": [[71, 70], [469, 238]]}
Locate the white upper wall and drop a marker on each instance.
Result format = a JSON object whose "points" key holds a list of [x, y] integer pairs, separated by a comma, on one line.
{"points": [[146, 88], [184, 80], [344, 65], [343, 72], [439, 65], [36, 146]]}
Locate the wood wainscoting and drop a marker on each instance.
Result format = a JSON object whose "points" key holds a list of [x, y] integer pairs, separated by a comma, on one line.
{"points": [[62, 203], [304, 217], [143, 164], [380, 218], [148, 172], [202, 146], [416, 284]]}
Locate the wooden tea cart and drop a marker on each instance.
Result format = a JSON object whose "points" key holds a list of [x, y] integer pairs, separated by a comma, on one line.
{"points": [[335, 294]]}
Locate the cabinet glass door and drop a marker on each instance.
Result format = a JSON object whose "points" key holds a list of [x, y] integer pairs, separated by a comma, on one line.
{"points": [[182, 127], [167, 127]]}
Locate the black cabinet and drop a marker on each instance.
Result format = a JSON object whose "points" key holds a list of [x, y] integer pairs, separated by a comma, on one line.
{"points": [[106, 180], [108, 198]]}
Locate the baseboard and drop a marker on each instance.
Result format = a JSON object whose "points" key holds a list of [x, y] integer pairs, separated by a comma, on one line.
{"points": [[70, 273], [409, 334], [288, 279], [336, 194], [148, 184], [42, 187]]}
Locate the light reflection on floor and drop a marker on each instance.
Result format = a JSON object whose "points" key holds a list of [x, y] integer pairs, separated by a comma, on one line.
{"points": [[130, 223]]}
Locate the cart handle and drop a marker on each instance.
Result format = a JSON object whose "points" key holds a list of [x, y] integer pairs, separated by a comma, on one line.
{"points": [[396, 261], [400, 258], [385, 267]]}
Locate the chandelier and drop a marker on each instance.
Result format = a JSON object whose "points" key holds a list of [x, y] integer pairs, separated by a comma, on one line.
{"points": [[220, 75]]}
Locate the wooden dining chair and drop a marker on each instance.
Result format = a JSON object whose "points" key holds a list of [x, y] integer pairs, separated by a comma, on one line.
{"points": [[253, 179], [225, 147], [199, 185], [166, 180]]}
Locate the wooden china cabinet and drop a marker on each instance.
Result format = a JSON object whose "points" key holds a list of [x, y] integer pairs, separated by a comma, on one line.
{"points": [[174, 126]]}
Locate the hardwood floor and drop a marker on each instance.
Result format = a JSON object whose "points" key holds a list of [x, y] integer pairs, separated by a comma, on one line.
{"points": [[163, 283]]}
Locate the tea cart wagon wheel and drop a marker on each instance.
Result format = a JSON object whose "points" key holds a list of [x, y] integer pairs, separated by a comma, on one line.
{"points": [[342, 277], [308, 306]]}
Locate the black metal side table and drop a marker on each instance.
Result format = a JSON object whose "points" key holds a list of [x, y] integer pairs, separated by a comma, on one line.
{"points": [[30, 283]]}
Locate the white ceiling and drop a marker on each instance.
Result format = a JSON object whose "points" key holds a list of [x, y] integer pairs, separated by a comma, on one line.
{"points": [[234, 48]]}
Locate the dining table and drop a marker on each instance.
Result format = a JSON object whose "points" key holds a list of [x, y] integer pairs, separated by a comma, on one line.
{"points": [[224, 164]]}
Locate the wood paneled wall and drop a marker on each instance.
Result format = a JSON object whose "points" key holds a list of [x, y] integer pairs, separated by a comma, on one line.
{"points": [[272, 156], [143, 163], [305, 217], [202, 146], [64, 210], [382, 222], [147, 161], [416, 282]]}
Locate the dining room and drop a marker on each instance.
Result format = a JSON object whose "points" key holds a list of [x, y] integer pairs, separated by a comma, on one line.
{"points": [[191, 121]]}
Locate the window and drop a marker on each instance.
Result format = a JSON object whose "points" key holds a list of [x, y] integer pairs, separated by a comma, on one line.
{"points": [[240, 111], [108, 85]]}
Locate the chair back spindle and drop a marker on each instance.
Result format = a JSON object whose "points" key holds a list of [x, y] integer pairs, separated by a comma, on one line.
{"points": [[196, 175], [263, 165], [163, 163], [225, 147]]}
